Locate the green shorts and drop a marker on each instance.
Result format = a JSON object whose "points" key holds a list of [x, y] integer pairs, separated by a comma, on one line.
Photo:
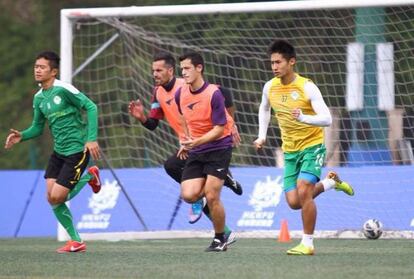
{"points": [[306, 163]]}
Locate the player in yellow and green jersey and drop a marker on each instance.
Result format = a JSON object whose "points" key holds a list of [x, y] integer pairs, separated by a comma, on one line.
{"points": [[301, 113], [60, 104]]}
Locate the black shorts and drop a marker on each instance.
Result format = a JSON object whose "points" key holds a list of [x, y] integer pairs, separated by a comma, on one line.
{"points": [[174, 166], [215, 163], [67, 170]]}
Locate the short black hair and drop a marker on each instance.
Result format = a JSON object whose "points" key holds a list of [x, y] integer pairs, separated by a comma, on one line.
{"points": [[166, 56], [52, 57], [195, 58], [284, 48]]}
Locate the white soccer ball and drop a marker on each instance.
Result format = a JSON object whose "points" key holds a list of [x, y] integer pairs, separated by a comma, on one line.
{"points": [[372, 229]]}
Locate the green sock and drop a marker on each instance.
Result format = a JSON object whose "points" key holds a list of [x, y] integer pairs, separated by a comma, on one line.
{"points": [[79, 186], [64, 217], [206, 211]]}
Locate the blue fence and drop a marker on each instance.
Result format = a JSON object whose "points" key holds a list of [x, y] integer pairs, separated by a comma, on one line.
{"points": [[382, 192]]}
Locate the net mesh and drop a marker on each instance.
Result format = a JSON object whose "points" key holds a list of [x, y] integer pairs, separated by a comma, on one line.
{"points": [[234, 47]]}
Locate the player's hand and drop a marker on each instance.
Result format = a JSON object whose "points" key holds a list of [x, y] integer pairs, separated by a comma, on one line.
{"points": [[296, 113], [94, 150], [136, 109], [182, 153], [259, 143], [236, 136], [13, 138], [189, 143]]}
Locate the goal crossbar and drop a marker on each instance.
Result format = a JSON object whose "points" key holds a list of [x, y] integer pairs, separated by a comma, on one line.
{"points": [[69, 15], [253, 7]]}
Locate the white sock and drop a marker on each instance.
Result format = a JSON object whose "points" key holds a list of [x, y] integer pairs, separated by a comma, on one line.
{"points": [[328, 183], [307, 240]]}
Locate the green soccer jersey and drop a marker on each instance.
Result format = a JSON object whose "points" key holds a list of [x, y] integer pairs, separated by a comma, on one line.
{"points": [[61, 106]]}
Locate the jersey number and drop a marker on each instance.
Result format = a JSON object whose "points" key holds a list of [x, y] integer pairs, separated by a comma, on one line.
{"points": [[319, 160]]}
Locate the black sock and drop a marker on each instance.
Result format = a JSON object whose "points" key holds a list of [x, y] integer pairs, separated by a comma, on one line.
{"points": [[219, 236]]}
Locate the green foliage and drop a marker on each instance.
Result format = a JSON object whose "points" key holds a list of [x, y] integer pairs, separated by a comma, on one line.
{"points": [[19, 44], [27, 28]]}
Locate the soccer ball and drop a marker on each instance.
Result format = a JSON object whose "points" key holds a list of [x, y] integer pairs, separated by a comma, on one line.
{"points": [[372, 229]]}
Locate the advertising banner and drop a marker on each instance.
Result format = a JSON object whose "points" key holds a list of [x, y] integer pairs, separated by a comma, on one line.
{"points": [[382, 192]]}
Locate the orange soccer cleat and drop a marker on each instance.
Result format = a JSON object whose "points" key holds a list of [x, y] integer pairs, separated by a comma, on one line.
{"points": [[95, 181], [72, 246]]}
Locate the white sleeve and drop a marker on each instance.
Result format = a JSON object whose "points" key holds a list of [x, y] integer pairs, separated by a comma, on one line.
{"points": [[264, 112], [322, 117]]}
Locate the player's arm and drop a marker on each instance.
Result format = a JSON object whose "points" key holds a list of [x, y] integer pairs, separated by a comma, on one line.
{"points": [[81, 101], [136, 109], [264, 117], [12, 138], [323, 116], [210, 136], [183, 151], [35, 130], [228, 102], [92, 116]]}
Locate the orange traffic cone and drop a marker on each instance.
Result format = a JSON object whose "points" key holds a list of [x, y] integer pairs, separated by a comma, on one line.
{"points": [[284, 235]]}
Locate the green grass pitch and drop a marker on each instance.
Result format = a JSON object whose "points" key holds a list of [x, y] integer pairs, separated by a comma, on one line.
{"points": [[184, 258]]}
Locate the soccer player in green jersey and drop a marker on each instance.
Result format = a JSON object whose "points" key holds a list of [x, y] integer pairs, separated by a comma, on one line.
{"points": [[301, 113], [74, 141]]}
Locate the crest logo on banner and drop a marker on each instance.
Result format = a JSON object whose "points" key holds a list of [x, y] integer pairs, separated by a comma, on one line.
{"points": [[266, 194], [106, 199]]}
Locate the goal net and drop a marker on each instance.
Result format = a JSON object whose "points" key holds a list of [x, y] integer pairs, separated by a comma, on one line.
{"points": [[359, 55]]}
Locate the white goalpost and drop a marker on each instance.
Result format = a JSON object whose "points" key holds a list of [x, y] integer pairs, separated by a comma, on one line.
{"points": [[358, 52]]}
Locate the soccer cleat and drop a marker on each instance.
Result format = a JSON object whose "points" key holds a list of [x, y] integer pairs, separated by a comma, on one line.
{"points": [[340, 185], [232, 183], [230, 237], [72, 246], [301, 250], [196, 211], [95, 181], [217, 246]]}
